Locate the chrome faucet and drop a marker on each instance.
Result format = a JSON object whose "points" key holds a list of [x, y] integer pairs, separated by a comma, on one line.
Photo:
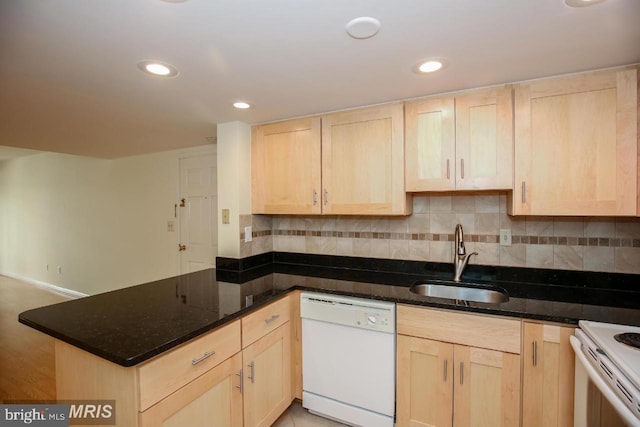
{"points": [[460, 257]]}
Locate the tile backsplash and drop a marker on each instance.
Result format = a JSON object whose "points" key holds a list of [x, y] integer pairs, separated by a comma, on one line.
{"points": [[568, 243]]}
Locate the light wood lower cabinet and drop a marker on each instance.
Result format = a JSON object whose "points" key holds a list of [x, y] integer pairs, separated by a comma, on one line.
{"points": [[548, 376], [238, 375], [212, 400], [487, 387], [267, 378], [457, 382], [425, 382]]}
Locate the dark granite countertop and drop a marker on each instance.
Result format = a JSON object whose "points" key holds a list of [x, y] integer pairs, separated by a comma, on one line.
{"points": [[131, 325]]}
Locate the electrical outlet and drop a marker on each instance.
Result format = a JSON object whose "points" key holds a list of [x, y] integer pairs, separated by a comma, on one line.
{"points": [[505, 237], [171, 225], [225, 216], [248, 234]]}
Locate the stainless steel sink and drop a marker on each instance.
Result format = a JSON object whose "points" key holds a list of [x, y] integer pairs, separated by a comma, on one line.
{"points": [[462, 291]]}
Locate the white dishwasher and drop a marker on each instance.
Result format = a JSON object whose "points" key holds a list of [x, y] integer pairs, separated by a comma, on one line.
{"points": [[348, 358]]}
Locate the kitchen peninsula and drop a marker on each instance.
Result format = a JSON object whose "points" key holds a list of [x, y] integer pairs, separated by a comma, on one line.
{"points": [[144, 325]]}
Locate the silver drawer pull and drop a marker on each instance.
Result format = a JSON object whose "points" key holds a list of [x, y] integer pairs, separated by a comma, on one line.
{"points": [[271, 319], [252, 375], [241, 384], [204, 356]]}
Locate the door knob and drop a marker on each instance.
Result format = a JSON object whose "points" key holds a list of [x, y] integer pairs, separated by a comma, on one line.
{"points": [[182, 247]]}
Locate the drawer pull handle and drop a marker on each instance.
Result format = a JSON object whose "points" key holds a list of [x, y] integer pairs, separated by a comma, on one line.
{"points": [[446, 362], [240, 385], [271, 319], [252, 375], [535, 353], [461, 373], [204, 356]]}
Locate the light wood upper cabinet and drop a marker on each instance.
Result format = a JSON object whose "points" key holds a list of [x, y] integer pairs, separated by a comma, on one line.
{"points": [[460, 143], [363, 162], [285, 167], [576, 145], [549, 363], [457, 369], [348, 163]]}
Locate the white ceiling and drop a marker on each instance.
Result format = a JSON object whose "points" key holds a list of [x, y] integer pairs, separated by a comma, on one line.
{"points": [[69, 80]]}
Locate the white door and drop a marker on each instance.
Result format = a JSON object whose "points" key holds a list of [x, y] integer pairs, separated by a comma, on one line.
{"points": [[197, 211]]}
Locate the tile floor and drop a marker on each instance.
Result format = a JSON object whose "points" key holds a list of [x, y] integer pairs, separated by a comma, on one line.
{"points": [[297, 416]]}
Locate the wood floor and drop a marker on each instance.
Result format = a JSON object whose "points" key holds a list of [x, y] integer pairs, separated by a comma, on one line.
{"points": [[27, 366]]}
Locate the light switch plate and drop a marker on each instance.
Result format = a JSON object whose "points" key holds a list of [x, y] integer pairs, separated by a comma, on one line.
{"points": [[505, 237], [225, 216]]}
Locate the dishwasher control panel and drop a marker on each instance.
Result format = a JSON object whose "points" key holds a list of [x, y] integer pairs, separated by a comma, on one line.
{"points": [[349, 311], [372, 320]]}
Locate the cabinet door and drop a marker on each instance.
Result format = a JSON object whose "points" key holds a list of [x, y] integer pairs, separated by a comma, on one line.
{"points": [[424, 382], [548, 376], [576, 145], [487, 388], [267, 378], [484, 140], [363, 162], [285, 167], [430, 144], [213, 399]]}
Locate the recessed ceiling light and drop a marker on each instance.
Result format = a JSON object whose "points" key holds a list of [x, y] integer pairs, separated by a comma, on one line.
{"points": [[241, 105], [581, 3], [363, 27], [158, 68], [429, 65]]}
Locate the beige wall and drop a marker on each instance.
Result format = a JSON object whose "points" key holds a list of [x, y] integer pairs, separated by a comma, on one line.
{"points": [[234, 183], [104, 222], [586, 244]]}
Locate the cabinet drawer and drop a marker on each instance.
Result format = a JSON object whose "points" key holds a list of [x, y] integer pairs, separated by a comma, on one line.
{"points": [[491, 332], [258, 324], [168, 372]]}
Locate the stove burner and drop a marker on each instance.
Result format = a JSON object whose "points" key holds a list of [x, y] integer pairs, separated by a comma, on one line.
{"points": [[629, 338]]}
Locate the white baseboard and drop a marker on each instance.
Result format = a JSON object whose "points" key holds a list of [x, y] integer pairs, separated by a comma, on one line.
{"points": [[48, 286]]}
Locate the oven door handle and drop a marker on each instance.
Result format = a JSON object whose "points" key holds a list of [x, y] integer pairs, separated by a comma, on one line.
{"points": [[604, 388]]}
